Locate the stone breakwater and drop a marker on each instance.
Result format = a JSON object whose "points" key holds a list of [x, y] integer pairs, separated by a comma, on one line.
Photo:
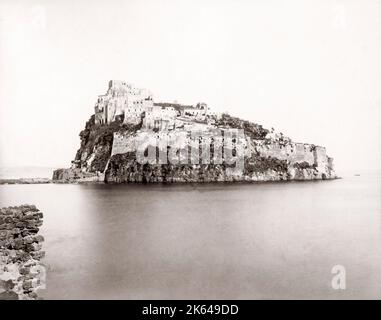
{"points": [[21, 272]]}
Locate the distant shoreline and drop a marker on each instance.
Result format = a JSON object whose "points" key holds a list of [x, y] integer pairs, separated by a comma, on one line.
{"points": [[48, 180], [26, 181]]}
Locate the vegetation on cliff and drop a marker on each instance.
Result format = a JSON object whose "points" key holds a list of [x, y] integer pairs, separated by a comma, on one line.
{"points": [[125, 168], [253, 130], [263, 164], [97, 139]]}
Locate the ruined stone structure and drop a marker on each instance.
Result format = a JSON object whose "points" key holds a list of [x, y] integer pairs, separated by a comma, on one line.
{"points": [[21, 272], [197, 113], [159, 118]]}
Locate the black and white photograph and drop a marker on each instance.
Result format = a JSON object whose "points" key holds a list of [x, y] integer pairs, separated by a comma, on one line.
{"points": [[190, 150]]}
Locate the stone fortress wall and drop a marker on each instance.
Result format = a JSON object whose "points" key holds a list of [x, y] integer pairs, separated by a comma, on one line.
{"points": [[301, 161], [300, 156]]}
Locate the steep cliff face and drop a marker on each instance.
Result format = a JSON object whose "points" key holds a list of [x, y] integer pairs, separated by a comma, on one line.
{"points": [[109, 153]]}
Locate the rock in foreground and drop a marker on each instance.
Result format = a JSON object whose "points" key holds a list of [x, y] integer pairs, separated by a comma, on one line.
{"points": [[21, 273]]}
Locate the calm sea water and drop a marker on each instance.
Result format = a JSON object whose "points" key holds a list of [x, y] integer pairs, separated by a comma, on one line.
{"points": [[247, 241]]}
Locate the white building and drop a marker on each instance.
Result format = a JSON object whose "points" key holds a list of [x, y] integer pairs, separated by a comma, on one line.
{"points": [[127, 103], [197, 113], [123, 101], [160, 118]]}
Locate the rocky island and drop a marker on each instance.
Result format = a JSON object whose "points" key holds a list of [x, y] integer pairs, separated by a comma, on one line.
{"points": [[131, 138]]}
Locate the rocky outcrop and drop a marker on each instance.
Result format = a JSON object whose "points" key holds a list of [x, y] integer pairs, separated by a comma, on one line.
{"points": [[21, 272], [267, 156]]}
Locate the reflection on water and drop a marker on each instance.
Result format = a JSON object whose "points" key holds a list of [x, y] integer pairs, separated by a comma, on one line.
{"points": [[248, 241]]}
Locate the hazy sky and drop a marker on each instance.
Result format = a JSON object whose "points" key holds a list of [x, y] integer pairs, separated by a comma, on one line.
{"points": [[311, 69]]}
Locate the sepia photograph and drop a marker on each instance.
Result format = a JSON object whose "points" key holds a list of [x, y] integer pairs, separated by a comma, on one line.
{"points": [[190, 150]]}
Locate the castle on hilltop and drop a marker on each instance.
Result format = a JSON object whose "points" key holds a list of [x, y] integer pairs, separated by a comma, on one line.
{"points": [[131, 138], [131, 105]]}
